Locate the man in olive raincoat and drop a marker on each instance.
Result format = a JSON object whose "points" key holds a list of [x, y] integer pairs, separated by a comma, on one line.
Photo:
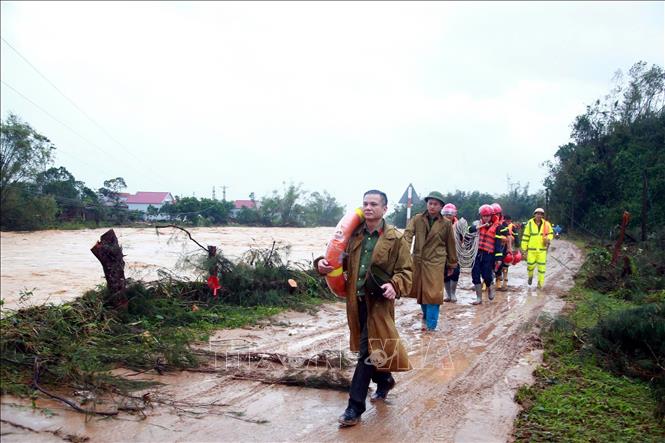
{"points": [[433, 250], [376, 251]]}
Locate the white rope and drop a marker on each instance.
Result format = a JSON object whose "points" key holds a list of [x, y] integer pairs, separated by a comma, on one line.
{"points": [[466, 244]]}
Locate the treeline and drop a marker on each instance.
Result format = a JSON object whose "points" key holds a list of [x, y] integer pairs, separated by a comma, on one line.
{"points": [[293, 207], [616, 160], [35, 196], [516, 203]]}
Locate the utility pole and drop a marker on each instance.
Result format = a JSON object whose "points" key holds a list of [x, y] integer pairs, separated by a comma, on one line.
{"points": [[213, 193], [224, 192], [547, 202]]}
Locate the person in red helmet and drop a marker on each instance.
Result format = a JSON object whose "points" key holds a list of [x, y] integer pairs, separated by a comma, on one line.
{"points": [[500, 253], [450, 279], [507, 230], [488, 244]]}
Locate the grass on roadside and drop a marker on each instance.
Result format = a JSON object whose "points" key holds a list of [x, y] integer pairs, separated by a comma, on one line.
{"points": [[575, 398]]}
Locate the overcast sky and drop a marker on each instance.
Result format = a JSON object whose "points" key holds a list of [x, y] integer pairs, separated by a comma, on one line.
{"points": [[339, 96]]}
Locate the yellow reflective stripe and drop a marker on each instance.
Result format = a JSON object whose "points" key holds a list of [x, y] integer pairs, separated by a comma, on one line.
{"points": [[360, 213], [336, 272]]}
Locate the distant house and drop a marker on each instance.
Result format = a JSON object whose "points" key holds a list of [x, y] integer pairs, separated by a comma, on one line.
{"points": [[239, 204], [141, 200]]}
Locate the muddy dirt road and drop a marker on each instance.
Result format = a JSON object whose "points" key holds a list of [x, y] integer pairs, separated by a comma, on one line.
{"points": [[461, 389]]}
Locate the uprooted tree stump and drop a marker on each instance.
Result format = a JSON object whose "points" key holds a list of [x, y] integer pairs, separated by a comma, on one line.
{"points": [[109, 253]]}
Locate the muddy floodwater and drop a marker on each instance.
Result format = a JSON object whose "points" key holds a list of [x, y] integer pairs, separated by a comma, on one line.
{"points": [[56, 266], [461, 388]]}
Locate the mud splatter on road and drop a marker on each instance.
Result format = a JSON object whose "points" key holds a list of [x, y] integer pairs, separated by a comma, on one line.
{"points": [[461, 389]]}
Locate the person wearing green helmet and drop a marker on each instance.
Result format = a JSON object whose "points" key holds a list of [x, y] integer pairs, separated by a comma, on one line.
{"points": [[433, 250]]}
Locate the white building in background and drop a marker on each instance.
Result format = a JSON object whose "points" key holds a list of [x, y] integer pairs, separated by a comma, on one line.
{"points": [[141, 200]]}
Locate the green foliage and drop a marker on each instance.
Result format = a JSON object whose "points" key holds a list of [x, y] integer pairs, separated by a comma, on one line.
{"points": [[322, 210], [283, 209], [293, 207], [639, 271], [575, 398], [633, 341], [23, 210], [23, 154], [248, 216], [198, 212], [616, 154], [260, 278]]}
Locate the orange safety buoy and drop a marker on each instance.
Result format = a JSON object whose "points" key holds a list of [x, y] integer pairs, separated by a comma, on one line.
{"points": [[337, 247]]}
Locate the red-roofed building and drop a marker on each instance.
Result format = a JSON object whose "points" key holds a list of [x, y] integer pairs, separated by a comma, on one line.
{"points": [[141, 200], [239, 204]]}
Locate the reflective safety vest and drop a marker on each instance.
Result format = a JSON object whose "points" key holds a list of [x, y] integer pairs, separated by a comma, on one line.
{"points": [[487, 238], [533, 237]]}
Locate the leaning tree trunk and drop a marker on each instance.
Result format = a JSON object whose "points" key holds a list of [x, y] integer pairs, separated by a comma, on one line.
{"points": [[109, 253]]}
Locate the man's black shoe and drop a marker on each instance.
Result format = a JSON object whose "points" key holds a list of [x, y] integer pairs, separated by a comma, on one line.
{"points": [[349, 418], [382, 392]]}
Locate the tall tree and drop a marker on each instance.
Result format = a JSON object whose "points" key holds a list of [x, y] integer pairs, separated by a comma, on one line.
{"points": [[615, 161], [23, 154], [322, 210]]}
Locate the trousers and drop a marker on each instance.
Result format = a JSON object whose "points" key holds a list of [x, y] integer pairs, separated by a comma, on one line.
{"points": [[537, 258], [483, 266], [365, 371]]}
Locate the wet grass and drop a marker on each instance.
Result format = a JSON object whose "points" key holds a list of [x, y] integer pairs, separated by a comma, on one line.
{"points": [[575, 397]]}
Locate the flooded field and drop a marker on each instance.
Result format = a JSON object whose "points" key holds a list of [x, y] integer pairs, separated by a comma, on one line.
{"points": [[57, 265]]}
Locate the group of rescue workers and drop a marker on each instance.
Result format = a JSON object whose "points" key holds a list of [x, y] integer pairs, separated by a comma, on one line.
{"points": [[378, 268], [435, 264]]}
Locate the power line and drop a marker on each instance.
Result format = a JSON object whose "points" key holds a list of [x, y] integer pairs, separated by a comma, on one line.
{"points": [[85, 114], [63, 124], [52, 116]]}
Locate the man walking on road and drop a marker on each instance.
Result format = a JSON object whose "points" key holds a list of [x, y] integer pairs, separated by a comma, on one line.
{"points": [[433, 251], [376, 251], [536, 239]]}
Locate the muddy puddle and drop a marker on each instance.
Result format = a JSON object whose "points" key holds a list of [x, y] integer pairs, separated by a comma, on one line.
{"points": [[461, 389]]}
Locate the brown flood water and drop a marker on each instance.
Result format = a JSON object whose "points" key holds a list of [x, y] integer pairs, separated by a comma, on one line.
{"points": [[461, 389], [58, 265]]}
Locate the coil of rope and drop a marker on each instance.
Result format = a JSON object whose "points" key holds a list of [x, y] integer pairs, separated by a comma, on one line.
{"points": [[466, 244]]}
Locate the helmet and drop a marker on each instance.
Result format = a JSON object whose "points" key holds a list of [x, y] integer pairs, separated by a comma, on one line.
{"points": [[436, 195], [508, 259], [449, 209], [496, 208], [541, 210], [517, 257], [485, 210]]}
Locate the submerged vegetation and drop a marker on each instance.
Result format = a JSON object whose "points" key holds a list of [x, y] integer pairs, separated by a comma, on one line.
{"points": [[78, 344]]}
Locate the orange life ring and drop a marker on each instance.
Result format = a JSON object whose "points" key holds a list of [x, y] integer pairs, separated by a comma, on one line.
{"points": [[337, 248]]}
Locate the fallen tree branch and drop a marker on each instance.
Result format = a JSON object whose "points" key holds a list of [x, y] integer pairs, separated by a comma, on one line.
{"points": [[35, 383], [184, 230], [57, 433]]}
